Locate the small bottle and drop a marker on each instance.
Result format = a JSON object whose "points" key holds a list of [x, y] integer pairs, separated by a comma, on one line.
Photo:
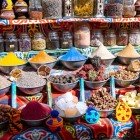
{"points": [[110, 38], [1, 43], [67, 40], [38, 42], [24, 42], [54, 42], [11, 42]]}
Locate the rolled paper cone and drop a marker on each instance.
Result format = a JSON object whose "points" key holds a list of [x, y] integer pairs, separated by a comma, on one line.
{"points": [[112, 87], [49, 94], [82, 90], [14, 95]]}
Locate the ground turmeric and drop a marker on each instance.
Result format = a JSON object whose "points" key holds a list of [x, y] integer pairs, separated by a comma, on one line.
{"points": [[11, 60], [42, 57]]}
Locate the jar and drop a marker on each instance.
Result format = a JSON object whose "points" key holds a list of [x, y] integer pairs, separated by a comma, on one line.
{"points": [[68, 8], [53, 40], [1, 43], [129, 9], [67, 40], [97, 35], [82, 36], [83, 8], [137, 8], [21, 9], [110, 38], [114, 9], [11, 42], [52, 9], [122, 38], [24, 42], [38, 42], [35, 9], [134, 37]]}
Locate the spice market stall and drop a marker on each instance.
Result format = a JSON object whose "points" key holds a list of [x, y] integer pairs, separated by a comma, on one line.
{"points": [[69, 69]]}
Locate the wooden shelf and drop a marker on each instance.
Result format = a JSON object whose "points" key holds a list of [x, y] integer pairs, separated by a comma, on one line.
{"points": [[44, 21]]}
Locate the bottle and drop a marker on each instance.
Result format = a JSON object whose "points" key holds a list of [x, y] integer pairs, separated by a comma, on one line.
{"points": [[122, 38], [11, 42], [24, 42], [35, 9], [52, 9], [68, 8], [1, 43], [82, 36], [38, 42], [83, 8], [67, 40], [54, 42], [129, 9], [110, 38]]}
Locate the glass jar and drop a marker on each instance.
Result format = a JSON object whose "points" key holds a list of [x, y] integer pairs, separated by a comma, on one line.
{"points": [[97, 35], [38, 42], [122, 38], [134, 37], [52, 9], [82, 36], [137, 8], [83, 8], [68, 8], [11, 42], [129, 9], [1, 43], [67, 40], [53, 40], [110, 38], [21, 9], [114, 8], [35, 9], [24, 42]]}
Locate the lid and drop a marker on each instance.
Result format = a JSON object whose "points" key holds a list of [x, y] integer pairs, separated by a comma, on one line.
{"points": [[38, 34], [135, 31], [21, 3], [10, 35], [66, 33], [111, 31], [24, 35], [53, 34], [97, 31]]}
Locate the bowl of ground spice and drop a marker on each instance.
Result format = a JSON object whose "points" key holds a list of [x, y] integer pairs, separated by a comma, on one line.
{"points": [[35, 113], [31, 83], [4, 85], [42, 58], [73, 59], [10, 62], [127, 55]]}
